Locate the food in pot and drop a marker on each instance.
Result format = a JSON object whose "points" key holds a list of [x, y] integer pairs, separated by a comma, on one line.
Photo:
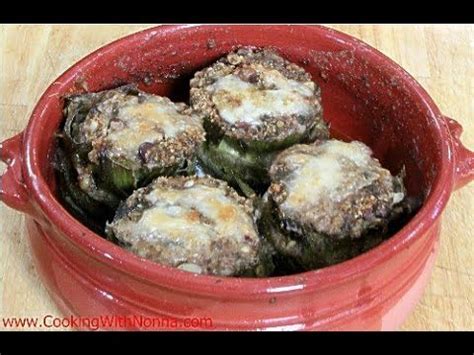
{"points": [[119, 140], [254, 104], [245, 182], [197, 224], [327, 202]]}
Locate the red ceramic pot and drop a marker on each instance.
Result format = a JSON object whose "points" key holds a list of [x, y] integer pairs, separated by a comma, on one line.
{"points": [[366, 96]]}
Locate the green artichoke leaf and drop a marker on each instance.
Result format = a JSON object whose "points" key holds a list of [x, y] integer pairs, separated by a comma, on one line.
{"points": [[238, 166], [306, 249], [92, 209], [122, 176]]}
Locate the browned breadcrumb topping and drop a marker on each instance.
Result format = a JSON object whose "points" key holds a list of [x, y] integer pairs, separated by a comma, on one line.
{"points": [[171, 151], [183, 182], [351, 215], [221, 252], [244, 63], [159, 149]]}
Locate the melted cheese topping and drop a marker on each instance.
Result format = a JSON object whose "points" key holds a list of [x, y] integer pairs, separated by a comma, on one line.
{"points": [[239, 101], [196, 215], [333, 171], [149, 121]]}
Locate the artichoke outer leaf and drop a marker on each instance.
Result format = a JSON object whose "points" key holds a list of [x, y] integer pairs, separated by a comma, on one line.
{"points": [[307, 249], [92, 212], [230, 162]]}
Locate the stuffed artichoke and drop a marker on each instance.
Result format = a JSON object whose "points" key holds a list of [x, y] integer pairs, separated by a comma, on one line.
{"points": [[254, 103], [118, 140], [328, 202], [196, 224]]}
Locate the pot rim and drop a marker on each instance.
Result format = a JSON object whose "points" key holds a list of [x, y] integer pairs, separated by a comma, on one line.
{"points": [[233, 287]]}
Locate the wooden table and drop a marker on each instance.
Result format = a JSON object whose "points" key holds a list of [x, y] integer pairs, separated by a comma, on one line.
{"points": [[440, 57]]}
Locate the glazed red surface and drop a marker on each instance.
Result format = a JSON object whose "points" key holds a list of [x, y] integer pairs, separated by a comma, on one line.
{"points": [[365, 96]]}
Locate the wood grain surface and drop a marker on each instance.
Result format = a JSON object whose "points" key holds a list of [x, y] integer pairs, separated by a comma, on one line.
{"points": [[440, 57]]}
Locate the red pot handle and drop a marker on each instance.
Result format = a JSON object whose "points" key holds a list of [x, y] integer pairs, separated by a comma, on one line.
{"points": [[463, 157], [13, 191]]}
